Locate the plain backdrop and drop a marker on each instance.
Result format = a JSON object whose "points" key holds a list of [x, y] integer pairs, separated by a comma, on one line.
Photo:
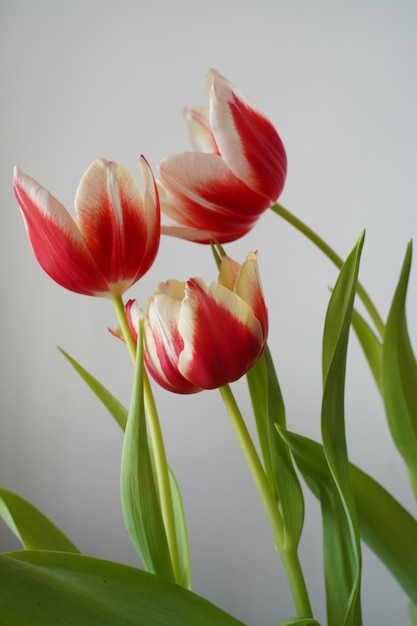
{"points": [[92, 78]]}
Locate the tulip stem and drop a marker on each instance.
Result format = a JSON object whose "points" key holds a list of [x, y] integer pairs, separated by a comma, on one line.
{"points": [[162, 476], [289, 557], [161, 464], [122, 319], [333, 256]]}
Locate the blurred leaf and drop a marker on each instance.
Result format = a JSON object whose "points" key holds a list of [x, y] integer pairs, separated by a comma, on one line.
{"points": [[33, 529], [371, 346], [117, 410], [385, 526], [341, 537], [50, 588], [399, 375], [413, 614], [139, 495], [268, 409]]}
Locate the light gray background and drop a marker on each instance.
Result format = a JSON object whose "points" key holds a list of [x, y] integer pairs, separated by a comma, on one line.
{"points": [[98, 78]]}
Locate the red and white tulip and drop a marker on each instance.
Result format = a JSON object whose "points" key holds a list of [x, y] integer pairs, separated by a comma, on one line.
{"points": [[203, 337], [113, 241], [238, 169]]}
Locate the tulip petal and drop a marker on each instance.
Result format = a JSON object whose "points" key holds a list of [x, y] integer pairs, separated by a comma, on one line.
{"points": [[56, 239], [222, 337], [248, 287], [199, 129], [164, 344], [115, 223], [202, 193], [247, 141]]}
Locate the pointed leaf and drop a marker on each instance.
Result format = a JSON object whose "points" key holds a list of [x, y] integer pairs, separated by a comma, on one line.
{"points": [[268, 408], [50, 588], [342, 574], [399, 375], [31, 527], [301, 621], [387, 528], [117, 410], [140, 502], [371, 346]]}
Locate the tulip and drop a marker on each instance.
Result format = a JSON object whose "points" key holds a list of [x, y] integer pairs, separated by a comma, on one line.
{"points": [[198, 337], [238, 170], [115, 238]]}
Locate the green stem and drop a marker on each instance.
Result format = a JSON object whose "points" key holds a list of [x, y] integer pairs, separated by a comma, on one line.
{"points": [[161, 464], [289, 557], [162, 476], [334, 257], [122, 319]]}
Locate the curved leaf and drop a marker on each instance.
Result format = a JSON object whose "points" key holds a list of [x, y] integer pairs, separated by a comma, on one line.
{"points": [[399, 375], [31, 527], [341, 536], [50, 588], [139, 495]]}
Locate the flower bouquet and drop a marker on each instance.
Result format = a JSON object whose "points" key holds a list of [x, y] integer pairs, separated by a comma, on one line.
{"points": [[192, 336]]}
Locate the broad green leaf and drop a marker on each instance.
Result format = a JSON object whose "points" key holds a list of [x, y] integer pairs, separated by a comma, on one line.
{"points": [[388, 529], [385, 526], [268, 409], [33, 529], [371, 346], [139, 495], [117, 410], [399, 376], [341, 536], [51, 588]]}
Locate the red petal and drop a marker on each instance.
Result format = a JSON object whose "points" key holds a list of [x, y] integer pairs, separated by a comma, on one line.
{"points": [[203, 194], [248, 142], [56, 240], [222, 338]]}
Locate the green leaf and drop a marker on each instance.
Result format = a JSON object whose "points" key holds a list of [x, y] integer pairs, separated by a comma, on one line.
{"points": [[139, 495], [388, 529], [31, 527], [371, 346], [385, 526], [341, 535], [51, 588], [399, 376], [268, 409], [413, 614], [117, 410]]}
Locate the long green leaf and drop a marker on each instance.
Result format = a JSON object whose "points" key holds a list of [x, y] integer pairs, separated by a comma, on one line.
{"points": [[51, 588], [399, 375], [117, 410], [342, 536], [268, 409], [139, 496], [385, 526], [33, 529]]}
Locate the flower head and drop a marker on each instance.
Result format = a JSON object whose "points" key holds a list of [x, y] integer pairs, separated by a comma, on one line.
{"points": [[218, 192], [203, 337], [115, 238]]}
